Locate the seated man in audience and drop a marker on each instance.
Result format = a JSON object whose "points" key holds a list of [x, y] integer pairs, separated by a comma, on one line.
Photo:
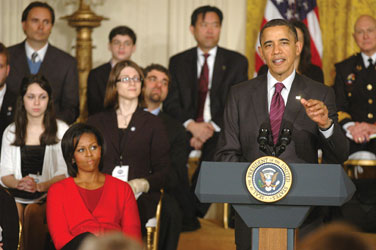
{"points": [[7, 97], [355, 89], [178, 196], [36, 55], [122, 44]]}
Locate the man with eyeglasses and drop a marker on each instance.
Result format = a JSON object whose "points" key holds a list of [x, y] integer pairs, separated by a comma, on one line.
{"points": [[122, 44], [37, 55], [155, 90], [355, 89], [200, 80]]}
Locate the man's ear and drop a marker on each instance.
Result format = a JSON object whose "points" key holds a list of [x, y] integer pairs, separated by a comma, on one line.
{"points": [[299, 47], [192, 29], [260, 52]]}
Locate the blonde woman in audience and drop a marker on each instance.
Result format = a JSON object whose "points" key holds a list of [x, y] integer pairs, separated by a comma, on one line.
{"points": [[31, 157], [111, 241]]}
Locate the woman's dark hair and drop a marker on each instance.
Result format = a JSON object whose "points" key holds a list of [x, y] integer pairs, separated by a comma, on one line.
{"points": [[70, 141], [305, 55], [48, 136], [111, 97]]}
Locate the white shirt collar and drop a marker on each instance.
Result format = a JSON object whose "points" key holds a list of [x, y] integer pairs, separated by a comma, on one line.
{"points": [[365, 59], [287, 82], [211, 52], [2, 94], [41, 52]]}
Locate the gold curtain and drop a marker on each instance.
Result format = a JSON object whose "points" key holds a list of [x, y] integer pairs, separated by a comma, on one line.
{"points": [[337, 19]]}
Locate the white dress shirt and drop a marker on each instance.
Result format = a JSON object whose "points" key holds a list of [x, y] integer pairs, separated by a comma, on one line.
{"points": [[41, 52]]}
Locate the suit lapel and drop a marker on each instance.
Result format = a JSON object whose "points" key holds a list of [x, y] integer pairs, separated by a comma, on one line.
{"points": [[218, 72], [293, 106], [48, 60], [20, 62], [111, 129], [191, 78], [260, 102]]}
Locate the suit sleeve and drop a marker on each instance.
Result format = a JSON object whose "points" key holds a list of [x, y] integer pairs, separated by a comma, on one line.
{"points": [[57, 217], [229, 147], [130, 220], [9, 221], [94, 102], [341, 99], [70, 105], [336, 147]]}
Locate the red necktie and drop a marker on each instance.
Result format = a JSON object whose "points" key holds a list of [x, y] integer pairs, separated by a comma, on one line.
{"points": [[203, 89], [277, 107]]}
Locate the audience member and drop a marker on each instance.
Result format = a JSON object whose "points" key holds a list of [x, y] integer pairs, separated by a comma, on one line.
{"points": [[179, 198], [9, 224], [302, 63], [31, 158], [336, 236], [7, 98], [122, 44], [88, 202], [137, 143], [37, 55], [200, 80], [111, 241], [272, 98], [355, 88]]}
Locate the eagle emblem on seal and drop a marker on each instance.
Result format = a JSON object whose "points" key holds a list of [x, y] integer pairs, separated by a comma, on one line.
{"points": [[268, 178]]}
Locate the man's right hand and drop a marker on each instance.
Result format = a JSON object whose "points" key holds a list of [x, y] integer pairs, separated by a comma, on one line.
{"points": [[202, 130]]}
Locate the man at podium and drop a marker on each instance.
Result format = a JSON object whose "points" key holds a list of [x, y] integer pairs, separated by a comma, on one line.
{"points": [[284, 104]]}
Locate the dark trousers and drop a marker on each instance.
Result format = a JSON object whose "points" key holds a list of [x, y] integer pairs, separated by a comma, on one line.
{"points": [[171, 224], [208, 152]]}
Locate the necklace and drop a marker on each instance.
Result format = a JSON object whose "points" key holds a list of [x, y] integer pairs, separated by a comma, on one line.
{"points": [[126, 118]]}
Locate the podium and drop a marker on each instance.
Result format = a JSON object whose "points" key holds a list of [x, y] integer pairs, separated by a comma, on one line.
{"points": [[312, 185]]}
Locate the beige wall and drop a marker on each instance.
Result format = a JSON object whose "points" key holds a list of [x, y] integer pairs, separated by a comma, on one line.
{"points": [[162, 26]]}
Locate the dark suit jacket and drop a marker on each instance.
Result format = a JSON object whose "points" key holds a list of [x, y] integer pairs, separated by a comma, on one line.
{"points": [[59, 68], [145, 151], [182, 101], [96, 88], [7, 111], [247, 109], [178, 182], [8, 220], [355, 89]]}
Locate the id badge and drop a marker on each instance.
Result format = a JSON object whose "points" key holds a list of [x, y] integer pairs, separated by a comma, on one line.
{"points": [[121, 172]]}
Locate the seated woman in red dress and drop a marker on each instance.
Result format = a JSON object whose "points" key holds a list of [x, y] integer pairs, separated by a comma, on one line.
{"points": [[89, 202]]}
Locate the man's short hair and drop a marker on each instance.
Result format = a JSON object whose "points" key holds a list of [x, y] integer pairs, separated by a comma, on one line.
{"points": [[4, 51], [157, 67], [203, 10], [280, 22], [36, 4], [124, 31]]}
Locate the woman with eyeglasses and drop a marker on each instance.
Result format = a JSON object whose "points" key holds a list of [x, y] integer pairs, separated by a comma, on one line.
{"points": [[137, 143], [31, 157]]}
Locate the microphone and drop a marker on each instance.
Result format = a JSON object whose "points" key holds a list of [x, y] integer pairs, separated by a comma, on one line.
{"points": [[263, 138], [285, 137]]}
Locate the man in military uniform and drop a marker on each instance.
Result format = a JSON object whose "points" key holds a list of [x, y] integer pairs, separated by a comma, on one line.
{"points": [[355, 88]]}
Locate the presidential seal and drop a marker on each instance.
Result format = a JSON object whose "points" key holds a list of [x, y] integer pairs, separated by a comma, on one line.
{"points": [[268, 179]]}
